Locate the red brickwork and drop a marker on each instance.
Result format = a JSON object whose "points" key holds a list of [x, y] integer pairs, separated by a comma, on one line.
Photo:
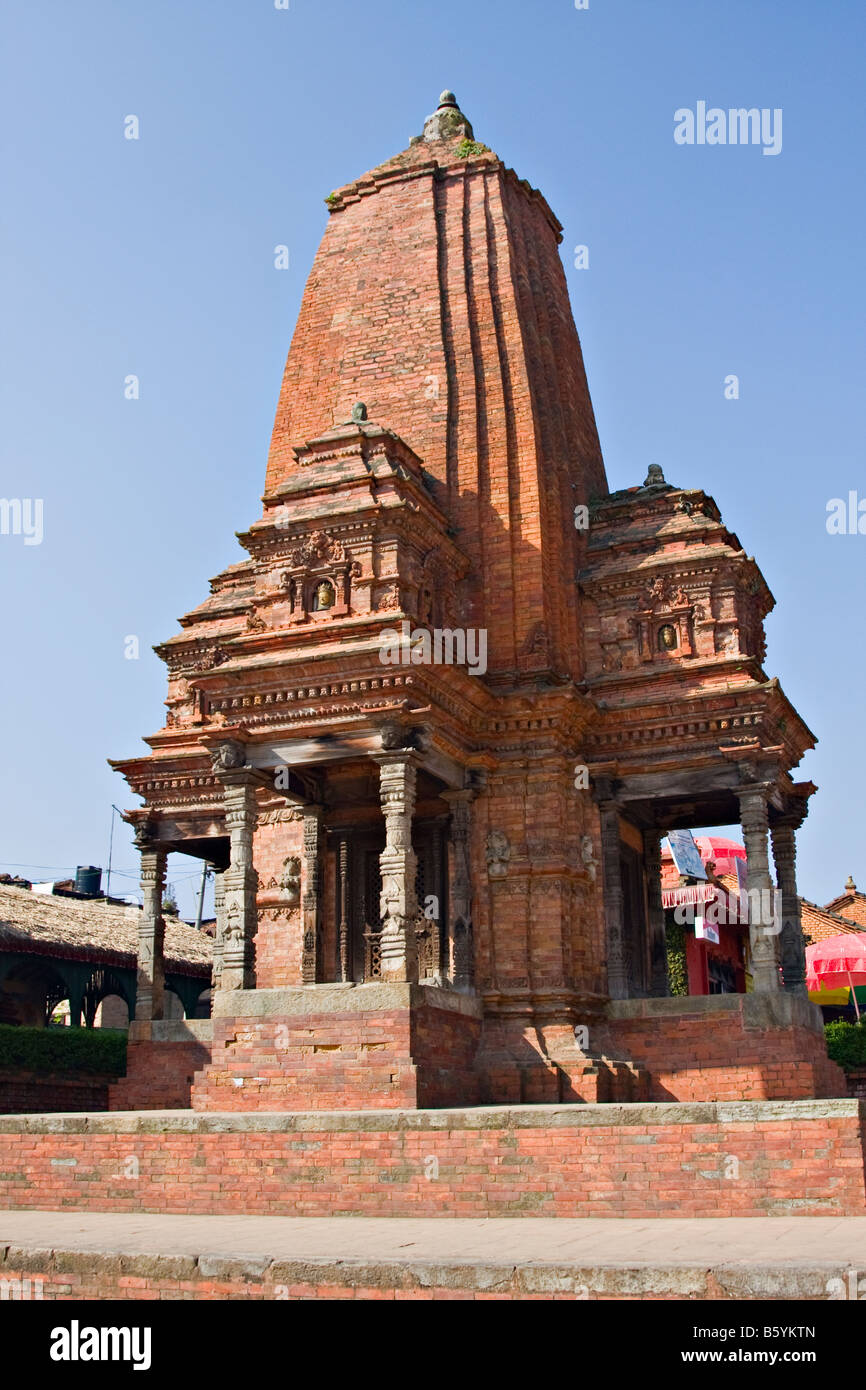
{"points": [[709, 1056], [349, 1061], [857, 1083], [278, 935], [21, 1091], [637, 1163], [454, 265], [159, 1076]]}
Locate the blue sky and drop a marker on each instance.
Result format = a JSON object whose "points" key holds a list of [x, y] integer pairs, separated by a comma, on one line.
{"points": [[155, 257]]}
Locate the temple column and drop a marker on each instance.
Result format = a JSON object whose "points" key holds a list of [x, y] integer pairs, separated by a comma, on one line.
{"points": [[458, 947], [311, 901], [652, 858], [343, 908], [614, 909], [399, 905], [793, 946], [239, 879], [763, 937], [150, 981], [219, 905]]}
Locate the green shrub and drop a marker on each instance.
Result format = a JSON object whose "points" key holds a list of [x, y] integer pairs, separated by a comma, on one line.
{"points": [[98, 1051], [468, 149], [678, 980], [846, 1043]]}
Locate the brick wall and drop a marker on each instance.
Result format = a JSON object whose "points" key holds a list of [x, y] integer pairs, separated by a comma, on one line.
{"points": [[22, 1091], [857, 1083], [782, 1158], [162, 1059], [731, 1047], [340, 1061]]}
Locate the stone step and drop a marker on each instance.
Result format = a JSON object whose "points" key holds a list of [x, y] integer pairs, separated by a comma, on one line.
{"points": [[99, 1255]]}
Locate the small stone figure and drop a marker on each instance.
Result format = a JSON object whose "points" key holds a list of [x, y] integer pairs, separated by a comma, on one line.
{"points": [[498, 854], [228, 755]]}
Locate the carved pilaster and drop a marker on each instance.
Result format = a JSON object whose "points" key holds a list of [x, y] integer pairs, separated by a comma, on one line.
{"points": [[652, 858], [150, 983], [459, 945], [399, 905], [311, 901], [614, 908], [763, 937], [792, 944], [240, 879]]}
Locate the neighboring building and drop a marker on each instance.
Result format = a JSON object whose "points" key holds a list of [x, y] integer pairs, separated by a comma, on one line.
{"points": [[850, 904], [81, 953], [722, 966], [431, 728], [709, 966]]}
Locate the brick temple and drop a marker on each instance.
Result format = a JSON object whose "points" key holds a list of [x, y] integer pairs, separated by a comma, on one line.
{"points": [[438, 880]]}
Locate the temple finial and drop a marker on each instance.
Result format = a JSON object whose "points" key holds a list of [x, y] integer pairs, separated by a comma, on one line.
{"points": [[447, 120]]}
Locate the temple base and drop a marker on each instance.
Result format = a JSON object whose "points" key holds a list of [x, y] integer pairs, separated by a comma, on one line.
{"points": [[402, 1046]]}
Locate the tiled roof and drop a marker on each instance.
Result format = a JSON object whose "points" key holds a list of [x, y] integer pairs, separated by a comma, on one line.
{"points": [[851, 905], [818, 923], [92, 929]]}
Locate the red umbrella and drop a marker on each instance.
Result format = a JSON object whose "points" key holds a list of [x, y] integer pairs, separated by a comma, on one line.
{"points": [[836, 962]]}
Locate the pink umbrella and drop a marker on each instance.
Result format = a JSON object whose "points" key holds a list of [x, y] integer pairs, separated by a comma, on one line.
{"points": [[837, 961]]}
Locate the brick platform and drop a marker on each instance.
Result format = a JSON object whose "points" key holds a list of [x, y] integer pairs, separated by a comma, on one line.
{"points": [[25, 1091], [60, 1256], [161, 1061], [340, 1047], [350, 1047], [641, 1160], [728, 1047]]}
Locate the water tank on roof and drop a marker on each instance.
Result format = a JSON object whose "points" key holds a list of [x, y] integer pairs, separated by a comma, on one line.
{"points": [[88, 879]]}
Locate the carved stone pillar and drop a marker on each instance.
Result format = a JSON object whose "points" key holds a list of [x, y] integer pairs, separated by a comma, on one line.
{"points": [[398, 865], [792, 944], [614, 906], [219, 905], [459, 945], [343, 908], [652, 858], [240, 879], [436, 920], [763, 936], [150, 983], [311, 902]]}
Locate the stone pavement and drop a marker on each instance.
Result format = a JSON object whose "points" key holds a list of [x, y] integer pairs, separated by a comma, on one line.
{"points": [[737, 1258]]}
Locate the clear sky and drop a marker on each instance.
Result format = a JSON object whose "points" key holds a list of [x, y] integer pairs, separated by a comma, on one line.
{"points": [[155, 257]]}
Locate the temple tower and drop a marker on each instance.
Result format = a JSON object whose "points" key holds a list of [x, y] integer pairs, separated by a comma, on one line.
{"points": [[430, 730]]}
